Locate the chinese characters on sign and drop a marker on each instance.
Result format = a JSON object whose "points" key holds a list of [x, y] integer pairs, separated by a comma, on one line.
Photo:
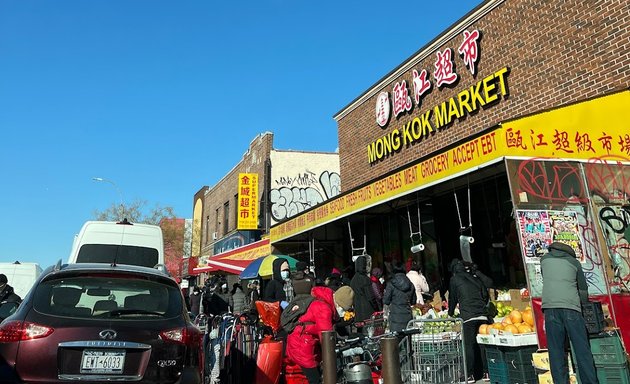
{"points": [[564, 142], [247, 209], [443, 74]]}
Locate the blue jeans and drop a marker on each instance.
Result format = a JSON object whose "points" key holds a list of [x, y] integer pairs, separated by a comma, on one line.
{"points": [[560, 323]]}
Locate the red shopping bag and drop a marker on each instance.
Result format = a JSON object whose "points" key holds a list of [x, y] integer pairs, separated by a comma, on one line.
{"points": [[269, 361], [269, 314]]}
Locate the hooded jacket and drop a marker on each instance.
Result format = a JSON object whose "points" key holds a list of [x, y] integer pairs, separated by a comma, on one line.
{"points": [[303, 344], [238, 301], [8, 295], [469, 289], [400, 295], [275, 287], [364, 300], [564, 284]]}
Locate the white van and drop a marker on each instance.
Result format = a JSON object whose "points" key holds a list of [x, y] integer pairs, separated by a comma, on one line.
{"points": [[21, 276], [118, 242]]}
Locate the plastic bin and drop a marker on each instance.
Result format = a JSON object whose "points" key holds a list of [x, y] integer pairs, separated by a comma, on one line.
{"points": [[498, 372], [593, 316], [607, 350], [613, 374]]}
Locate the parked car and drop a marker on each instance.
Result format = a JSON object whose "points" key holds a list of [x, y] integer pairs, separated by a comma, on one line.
{"points": [[120, 242], [98, 322]]}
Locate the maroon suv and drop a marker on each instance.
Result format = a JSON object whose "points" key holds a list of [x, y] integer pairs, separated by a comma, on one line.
{"points": [[96, 323]]}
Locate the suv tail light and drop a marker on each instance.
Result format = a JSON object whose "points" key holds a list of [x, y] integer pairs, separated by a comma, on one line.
{"points": [[186, 336], [20, 331]]}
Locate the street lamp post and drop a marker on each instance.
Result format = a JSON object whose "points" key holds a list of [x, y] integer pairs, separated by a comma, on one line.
{"points": [[121, 213]]}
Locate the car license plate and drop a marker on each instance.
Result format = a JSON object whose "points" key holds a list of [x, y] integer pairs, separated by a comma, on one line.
{"points": [[103, 361]]}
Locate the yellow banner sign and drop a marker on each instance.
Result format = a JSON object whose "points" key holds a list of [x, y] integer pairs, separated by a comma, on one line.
{"points": [[247, 209], [593, 129]]}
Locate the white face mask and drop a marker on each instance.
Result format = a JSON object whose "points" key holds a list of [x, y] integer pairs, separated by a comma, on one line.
{"points": [[382, 280], [340, 311], [284, 275]]}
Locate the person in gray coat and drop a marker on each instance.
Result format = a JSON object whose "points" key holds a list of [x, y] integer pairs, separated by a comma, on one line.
{"points": [[399, 296], [564, 292], [238, 299]]}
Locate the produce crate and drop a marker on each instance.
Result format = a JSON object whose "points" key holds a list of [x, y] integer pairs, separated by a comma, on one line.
{"points": [[613, 374], [593, 316], [498, 372], [520, 356], [522, 374], [607, 350], [495, 354]]}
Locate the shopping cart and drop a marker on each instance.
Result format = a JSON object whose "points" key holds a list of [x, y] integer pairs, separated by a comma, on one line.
{"points": [[435, 354], [374, 326]]}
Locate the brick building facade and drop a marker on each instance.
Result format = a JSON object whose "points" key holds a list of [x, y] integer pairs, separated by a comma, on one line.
{"points": [[533, 124]]}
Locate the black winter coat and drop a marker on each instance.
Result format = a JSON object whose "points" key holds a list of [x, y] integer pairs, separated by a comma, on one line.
{"points": [[274, 291], [400, 295], [469, 289], [7, 295], [365, 303]]}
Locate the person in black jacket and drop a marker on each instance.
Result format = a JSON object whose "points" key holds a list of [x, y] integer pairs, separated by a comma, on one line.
{"points": [[469, 289], [279, 288], [364, 300], [7, 294], [399, 296]]}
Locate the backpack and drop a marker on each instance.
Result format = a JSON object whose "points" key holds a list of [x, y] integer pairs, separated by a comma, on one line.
{"points": [[296, 308]]}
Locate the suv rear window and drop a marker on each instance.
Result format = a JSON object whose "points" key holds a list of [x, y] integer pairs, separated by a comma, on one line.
{"points": [[122, 254], [99, 296]]}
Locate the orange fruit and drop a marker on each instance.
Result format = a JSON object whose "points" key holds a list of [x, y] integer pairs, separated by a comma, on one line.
{"points": [[498, 326], [516, 316], [511, 328], [506, 320], [525, 329], [528, 318], [483, 329]]}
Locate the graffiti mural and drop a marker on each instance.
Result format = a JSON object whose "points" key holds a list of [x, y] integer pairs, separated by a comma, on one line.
{"points": [[301, 192], [615, 223]]}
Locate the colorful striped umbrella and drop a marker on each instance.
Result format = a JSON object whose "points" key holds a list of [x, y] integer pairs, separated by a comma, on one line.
{"points": [[263, 266]]}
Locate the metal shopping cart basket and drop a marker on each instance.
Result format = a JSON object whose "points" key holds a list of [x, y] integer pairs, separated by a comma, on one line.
{"points": [[435, 353], [374, 326]]}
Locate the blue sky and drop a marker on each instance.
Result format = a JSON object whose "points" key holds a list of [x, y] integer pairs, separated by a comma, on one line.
{"points": [[164, 97]]}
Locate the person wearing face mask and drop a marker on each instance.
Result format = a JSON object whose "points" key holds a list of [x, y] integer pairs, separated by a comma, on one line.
{"points": [[279, 287], [304, 343]]}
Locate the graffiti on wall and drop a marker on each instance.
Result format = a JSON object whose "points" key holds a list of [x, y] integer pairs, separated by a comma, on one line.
{"points": [[293, 194], [615, 222], [608, 185]]}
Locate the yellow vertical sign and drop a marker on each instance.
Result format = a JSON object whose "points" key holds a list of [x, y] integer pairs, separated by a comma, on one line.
{"points": [[247, 201]]}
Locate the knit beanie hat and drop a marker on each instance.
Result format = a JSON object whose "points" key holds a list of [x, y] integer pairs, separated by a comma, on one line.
{"points": [[344, 297]]}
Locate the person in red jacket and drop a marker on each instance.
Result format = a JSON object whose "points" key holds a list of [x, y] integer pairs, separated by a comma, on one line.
{"points": [[304, 342]]}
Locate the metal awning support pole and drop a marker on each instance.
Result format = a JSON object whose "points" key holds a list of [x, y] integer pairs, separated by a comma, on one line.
{"points": [[329, 358], [391, 361]]}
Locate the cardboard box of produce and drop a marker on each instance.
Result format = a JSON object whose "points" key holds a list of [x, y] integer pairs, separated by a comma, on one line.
{"points": [[517, 301], [540, 360], [545, 378]]}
